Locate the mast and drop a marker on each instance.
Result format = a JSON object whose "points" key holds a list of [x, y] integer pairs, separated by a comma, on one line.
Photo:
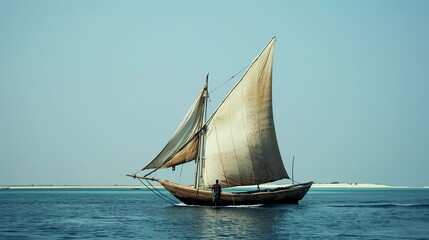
{"points": [[201, 156], [293, 163]]}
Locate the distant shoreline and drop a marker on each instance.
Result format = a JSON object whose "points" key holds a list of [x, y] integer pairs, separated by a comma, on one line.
{"points": [[315, 186]]}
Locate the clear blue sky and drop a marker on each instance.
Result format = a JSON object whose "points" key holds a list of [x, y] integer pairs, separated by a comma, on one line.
{"points": [[92, 90]]}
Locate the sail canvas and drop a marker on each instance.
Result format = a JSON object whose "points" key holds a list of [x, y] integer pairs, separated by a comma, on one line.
{"points": [[183, 146], [241, 145]]}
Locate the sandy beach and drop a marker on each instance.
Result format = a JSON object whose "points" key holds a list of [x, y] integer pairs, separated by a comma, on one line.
{"points": [[74, 187]]}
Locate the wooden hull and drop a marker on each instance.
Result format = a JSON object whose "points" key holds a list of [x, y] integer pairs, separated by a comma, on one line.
{"points": [[285, 195]]}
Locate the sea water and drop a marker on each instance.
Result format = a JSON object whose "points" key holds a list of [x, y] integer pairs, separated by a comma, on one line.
{"points": [[140, 214]]}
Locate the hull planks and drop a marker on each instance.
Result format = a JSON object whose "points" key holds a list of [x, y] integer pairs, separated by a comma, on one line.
{"points": [[283, 195]]}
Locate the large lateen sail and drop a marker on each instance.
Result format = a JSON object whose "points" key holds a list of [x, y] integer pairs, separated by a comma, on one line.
{"points": [[241, 144], [184, 144]]}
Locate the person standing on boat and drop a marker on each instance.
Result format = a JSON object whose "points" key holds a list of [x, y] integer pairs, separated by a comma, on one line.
{"points": [[217, 190]]}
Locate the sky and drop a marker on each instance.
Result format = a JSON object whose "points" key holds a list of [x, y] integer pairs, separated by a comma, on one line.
{"points": [[93, 90]]}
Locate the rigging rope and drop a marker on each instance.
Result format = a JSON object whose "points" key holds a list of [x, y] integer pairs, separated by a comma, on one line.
{"points": [[172, 201], [233, 76], [181, 170], [158, 193]]}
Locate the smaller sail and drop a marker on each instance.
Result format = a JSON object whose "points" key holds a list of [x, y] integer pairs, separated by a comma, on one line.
{"points": [[183, 146], [187, 153]]}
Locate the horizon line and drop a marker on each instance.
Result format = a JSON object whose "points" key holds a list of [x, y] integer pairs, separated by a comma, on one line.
{"points": [[127, 186]]}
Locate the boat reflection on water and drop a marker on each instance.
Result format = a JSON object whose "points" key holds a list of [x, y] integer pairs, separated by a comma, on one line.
{"points": [[260, 221]]}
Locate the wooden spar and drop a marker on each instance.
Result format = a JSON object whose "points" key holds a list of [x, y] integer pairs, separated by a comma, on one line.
{"points": [[293, 163], [199, 161], [203, 137], [145, 178]]}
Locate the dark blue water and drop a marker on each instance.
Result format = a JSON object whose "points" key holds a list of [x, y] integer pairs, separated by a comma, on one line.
{"points": [[139, 214]]}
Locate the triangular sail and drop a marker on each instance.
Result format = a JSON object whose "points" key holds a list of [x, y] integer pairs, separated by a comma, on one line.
{"points": [[241, 144], [184, 144]]}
